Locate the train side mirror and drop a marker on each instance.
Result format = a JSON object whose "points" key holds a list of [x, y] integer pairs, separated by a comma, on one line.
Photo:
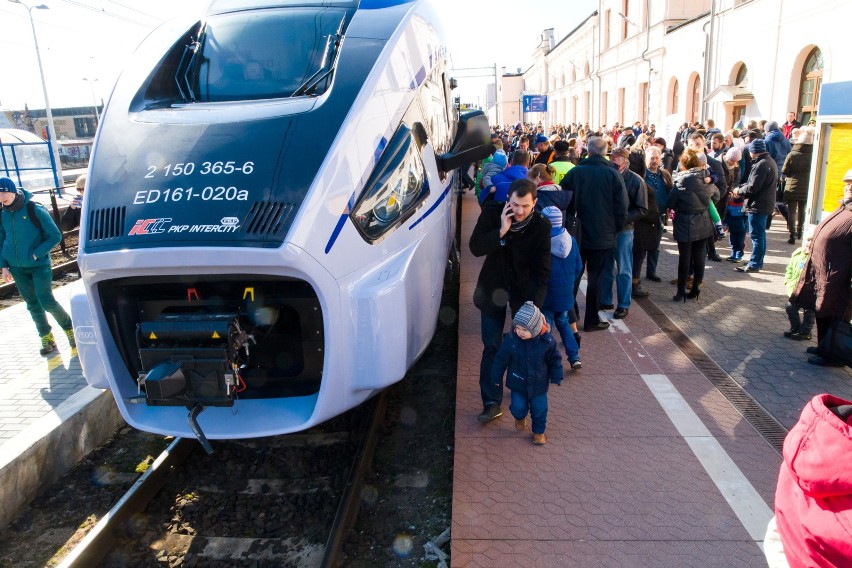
{"points": [[472, 142]]}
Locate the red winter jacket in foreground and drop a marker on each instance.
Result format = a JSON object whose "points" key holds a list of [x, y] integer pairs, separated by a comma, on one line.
{"points": [[813, 501]]}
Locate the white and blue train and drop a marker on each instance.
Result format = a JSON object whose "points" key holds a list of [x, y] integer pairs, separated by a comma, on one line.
{"points": [[269, 214]]}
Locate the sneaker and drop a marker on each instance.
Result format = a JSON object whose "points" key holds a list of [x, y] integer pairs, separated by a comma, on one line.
{"points": [[491, 412], [801, 336], [812, 350], [48, 344], [69, 333], [521, 424], [789, 333], [539, 439], [620, 313], [576, 365]]}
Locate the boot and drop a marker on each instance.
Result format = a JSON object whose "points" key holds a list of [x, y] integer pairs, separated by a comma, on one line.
{"points": [[792, 239], [694, 293], [637, 291], [680, 296], [48, 344], [69, 333]]}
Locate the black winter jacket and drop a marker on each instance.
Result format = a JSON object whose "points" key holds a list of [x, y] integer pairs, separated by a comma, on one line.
{"points": [[599, 190], [797, 169], [516, 267], [646, 236], [637, 198], [759, 190], [690, 199]]}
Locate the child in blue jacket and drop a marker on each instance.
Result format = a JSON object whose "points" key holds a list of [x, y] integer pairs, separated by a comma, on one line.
{"points": [[565, 265], [533, 361]]}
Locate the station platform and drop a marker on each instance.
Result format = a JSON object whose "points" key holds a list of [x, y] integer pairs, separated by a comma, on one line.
{"points": [[49, 417], [647, 463]]}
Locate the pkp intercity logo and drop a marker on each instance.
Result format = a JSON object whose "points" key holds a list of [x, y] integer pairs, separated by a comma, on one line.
{"points": [[149, 226]]}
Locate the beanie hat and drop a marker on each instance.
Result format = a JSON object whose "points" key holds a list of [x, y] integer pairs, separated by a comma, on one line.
{"points": [[553, 214], [757, 147], [733, 155], [530, 318], [500, 158], [7, 185], [541, 138]]}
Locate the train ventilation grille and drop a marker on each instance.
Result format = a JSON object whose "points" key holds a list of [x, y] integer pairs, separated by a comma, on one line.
{"points": [[268, 217], [106, 223]]}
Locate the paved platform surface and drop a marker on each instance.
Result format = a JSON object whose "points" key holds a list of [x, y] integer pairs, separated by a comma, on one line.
{"points": [[646, 464]]}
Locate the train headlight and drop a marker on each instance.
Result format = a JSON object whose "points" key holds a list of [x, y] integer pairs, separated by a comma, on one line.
{"points": [[394, 190]]}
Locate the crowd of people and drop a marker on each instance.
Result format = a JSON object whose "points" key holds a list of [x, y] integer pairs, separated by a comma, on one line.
{"points": [[605, 197]]}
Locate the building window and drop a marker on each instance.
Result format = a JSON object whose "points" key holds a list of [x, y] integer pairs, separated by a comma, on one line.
{"points": [[810, 85], [84, 127], [696, 99], [642, 102], [607, 21], [586, 69], [587, 104], [742, 76], [675, 97], [621, 96], [604, 105], [625, 18]]}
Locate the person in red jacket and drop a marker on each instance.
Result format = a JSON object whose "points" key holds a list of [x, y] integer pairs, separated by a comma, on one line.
{"points": [[813, 498]]}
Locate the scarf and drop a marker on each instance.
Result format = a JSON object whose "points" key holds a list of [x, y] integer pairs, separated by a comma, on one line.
{"points": [[16, 205], [521, 225]]}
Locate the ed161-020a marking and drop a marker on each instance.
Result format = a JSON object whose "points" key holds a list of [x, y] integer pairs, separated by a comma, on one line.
{"points": [[188, 168], [209, 193]]}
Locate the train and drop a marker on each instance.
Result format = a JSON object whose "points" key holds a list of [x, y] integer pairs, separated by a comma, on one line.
{"points": [[269, 214]]}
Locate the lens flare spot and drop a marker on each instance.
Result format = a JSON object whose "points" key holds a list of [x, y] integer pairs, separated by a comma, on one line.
{"points": [[408, 416], [402, 545]]}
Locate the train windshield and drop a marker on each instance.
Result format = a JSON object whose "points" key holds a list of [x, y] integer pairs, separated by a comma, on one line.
{"points": [[263, 54]]}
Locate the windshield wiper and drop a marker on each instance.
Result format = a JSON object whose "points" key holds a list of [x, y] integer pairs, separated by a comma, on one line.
{"points": [[332, 46]]}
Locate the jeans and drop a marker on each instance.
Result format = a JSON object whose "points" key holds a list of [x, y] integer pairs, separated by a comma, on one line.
{"points": [[535, 406], [623, 258], [35, 285], [757, 232], [593, 263], [492, 324], [561, 321], [736, 234], [804, 325], [654, 255]]}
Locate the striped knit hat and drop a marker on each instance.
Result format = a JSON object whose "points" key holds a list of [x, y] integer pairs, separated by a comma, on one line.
{"points": [[530, 318]]}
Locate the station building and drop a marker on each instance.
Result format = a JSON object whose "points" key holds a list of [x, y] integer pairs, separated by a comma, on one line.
{"points": [[673, 61]]}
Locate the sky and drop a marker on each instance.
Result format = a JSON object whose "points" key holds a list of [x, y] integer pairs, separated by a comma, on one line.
{"points": [[83, 43]]}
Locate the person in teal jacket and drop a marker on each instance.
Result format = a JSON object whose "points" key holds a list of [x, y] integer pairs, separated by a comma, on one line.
{"points": [[25, 259], [800, 329]]}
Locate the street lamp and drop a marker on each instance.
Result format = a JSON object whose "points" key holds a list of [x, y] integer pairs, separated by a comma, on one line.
{"points": [[50, 128], [94, 100]]}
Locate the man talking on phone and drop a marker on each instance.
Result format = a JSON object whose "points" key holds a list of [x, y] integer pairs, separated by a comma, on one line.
{"points": [[515, 241]]}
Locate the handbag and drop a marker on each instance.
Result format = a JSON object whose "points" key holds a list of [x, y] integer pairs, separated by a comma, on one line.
{"points": [[837, 343]]}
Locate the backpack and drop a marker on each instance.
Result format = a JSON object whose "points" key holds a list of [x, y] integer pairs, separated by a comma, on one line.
{"points": [[33, 217]]}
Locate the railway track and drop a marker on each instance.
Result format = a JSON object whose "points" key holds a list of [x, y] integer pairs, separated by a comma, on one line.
{"points": [[280, 501]]}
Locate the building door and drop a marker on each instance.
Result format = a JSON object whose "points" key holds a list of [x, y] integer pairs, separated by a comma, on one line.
{"points": [[737, 113]]}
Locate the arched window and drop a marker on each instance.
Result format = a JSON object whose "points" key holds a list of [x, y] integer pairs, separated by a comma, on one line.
{"points": [[742, 76], [586, 69], [573, 73], [696, 99], [563, 78], [810, 85], [675, 97]]}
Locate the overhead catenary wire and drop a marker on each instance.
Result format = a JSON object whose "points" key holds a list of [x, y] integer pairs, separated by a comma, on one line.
{"points": [[111, 14]]}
